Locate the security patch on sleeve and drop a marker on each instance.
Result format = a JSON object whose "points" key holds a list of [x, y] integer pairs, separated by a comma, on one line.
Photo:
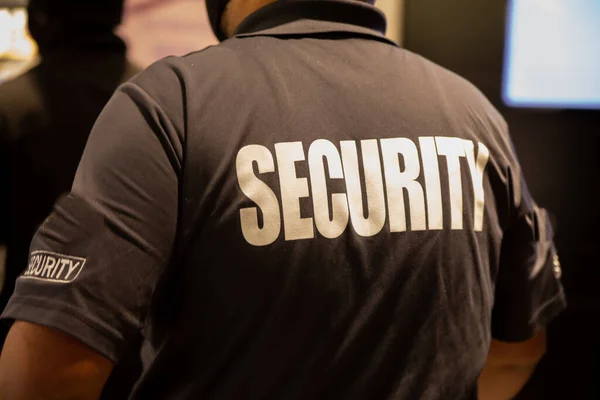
{"points": [[53, 267]]}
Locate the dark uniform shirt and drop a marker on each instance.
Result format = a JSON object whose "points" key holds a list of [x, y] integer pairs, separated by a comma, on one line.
{"points": [[303, 211]]}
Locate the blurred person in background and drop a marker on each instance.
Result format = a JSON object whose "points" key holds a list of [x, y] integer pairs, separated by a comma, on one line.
{"points": [[305, 211], [47, 113]]}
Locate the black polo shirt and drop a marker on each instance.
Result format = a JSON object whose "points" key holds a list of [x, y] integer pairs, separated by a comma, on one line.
{"points": [[303, 211]]}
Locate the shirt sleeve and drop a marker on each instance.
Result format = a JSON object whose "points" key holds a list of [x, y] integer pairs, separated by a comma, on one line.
{"points": [[96, 260], [528, 292]]}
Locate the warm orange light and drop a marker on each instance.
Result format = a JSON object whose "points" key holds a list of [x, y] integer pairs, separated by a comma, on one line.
{"points": [[15, 41]]}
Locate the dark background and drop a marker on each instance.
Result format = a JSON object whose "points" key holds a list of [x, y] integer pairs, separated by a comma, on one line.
{"points": [[558, 152]]}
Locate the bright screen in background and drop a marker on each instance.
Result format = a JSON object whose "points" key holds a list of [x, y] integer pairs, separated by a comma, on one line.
{"points": [[553, 54]]}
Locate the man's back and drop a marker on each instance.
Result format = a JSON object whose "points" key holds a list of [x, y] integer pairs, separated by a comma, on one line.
{"points": [[351, 281], [306, 210]]}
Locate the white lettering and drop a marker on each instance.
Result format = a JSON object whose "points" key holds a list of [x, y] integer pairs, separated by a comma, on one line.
{"points": [[50, 263], [397, 180], [261, 194], [400, 171], [63, 263], [477, 170], [374, 222], [31, 266], [39, 266], [49, 267], [292, 190], [333, 227], [72, 267], [433, 187], [453, 148], [37, 262]]}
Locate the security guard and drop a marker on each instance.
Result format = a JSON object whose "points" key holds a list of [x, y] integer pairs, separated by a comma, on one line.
{"points": [[303, 211]]}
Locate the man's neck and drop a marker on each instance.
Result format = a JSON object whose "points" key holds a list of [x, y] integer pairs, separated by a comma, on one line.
{"points": [[238, 10]]}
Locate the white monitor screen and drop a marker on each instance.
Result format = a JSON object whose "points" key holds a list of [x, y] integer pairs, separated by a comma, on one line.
{"points": [[552, 55]]}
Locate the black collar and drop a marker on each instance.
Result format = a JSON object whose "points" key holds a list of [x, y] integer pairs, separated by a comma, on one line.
{"points": [[307, 17]]}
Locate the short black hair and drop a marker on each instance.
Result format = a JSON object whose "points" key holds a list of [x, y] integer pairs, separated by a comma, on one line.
{"points": [[95, 12]]}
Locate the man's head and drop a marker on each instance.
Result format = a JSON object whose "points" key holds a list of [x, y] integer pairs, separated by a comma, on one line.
{"points": [[49, 20], [226, 15]]}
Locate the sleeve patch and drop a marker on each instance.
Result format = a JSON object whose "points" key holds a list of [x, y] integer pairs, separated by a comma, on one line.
{"points": [[53, 267]]}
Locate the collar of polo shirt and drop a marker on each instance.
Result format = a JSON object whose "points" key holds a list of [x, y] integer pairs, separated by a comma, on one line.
{"points": [[305, 17]]}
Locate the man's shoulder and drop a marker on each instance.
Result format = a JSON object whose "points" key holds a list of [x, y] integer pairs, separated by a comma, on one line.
{"points": [[461, 97], [452, 82], [169, 81], [211, 61]]}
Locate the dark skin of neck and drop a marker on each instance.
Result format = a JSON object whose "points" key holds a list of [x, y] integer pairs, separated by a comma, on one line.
{"points": [[239, 10]]}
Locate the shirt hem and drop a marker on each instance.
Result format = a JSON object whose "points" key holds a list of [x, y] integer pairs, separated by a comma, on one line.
{"points": [[70, 321]]}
